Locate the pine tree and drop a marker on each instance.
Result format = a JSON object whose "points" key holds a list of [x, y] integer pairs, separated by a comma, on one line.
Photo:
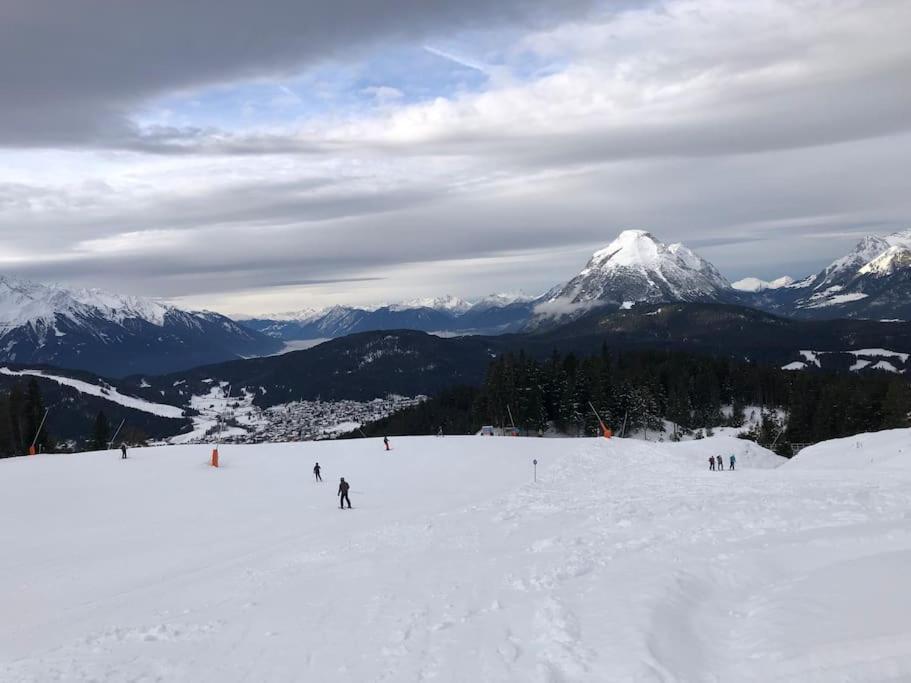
{"points": [[101, 432]]}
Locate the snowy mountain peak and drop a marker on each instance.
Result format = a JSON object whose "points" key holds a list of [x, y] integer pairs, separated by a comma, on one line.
{"points": [[23, 302], [447, 303], [630, 248], [754, 284], [636, 266]]}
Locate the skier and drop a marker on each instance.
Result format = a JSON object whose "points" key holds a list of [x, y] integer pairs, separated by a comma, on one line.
{"points": [[123, 451], [712, 463], [440, 431], [316, 472], [386, 442], [733, 461], [343, 494], [720, 462]]}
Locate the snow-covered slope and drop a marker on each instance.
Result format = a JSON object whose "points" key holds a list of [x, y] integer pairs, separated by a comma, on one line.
{"points": [[889, 449], [111, 334], [106, 392], [626, 561], [637, 267]]}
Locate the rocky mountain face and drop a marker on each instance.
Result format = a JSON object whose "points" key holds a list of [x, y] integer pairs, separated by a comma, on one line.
{"points": [[114, 335]]}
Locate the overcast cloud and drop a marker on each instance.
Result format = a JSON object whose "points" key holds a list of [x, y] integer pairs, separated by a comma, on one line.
{"points": [[270, 156]]}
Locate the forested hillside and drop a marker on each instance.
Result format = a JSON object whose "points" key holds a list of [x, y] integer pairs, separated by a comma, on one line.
{"points": [[636, 389]]}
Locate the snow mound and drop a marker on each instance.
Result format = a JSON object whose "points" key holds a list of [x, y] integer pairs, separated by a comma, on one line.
{"points": [[889, 449]]}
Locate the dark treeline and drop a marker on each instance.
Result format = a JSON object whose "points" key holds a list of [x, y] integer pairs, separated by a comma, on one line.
{"points": [[21, 410], [634, 390]]}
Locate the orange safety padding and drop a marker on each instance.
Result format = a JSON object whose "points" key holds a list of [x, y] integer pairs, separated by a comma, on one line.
{"points": [[214, 457]]}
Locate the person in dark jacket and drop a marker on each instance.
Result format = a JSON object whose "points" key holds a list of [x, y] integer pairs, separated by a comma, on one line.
{"points": [[343, 494], [712, 462], [720, 462], [733, 461], [123, 451], [386, 442], [316, 472]]}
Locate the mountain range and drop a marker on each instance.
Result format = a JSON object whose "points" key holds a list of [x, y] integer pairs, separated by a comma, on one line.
{"points": [[873, 282], [117, 335], [370, 365]]}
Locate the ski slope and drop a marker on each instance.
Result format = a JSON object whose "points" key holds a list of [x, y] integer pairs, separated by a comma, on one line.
{"points": [[106, 392], [626, 561]]}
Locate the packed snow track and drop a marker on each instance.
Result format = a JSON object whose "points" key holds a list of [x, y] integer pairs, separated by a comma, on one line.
{"points": [[626, 561]]}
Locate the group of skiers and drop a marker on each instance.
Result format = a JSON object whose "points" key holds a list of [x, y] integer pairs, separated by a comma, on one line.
{"points": [[716, 462], [343, 486]]}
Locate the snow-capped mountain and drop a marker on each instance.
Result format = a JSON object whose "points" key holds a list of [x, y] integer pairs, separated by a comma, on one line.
{"points": [[114, 335], [637, 267], [493, 314], [447, 304], [872, 281], [754, 284]]}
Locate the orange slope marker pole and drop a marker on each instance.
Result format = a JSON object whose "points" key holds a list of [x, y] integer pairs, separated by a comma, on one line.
{"points": [[605, 430], [33, 450]]}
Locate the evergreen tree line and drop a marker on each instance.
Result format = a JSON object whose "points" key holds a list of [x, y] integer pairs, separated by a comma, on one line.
{"points": [[21, 411], [638, 390]]}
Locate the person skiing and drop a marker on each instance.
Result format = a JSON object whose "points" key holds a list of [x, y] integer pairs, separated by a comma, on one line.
{"points": [[386, 442], [123, 451], [712, 463], [733, 461], [720, 462], [316, 472], [343, 494], [440, 431]]}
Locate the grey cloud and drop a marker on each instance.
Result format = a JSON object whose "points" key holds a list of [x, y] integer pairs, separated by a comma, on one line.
{"points": [[70, 72], [729, 210]]}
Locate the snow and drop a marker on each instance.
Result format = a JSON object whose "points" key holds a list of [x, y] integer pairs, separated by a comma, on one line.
{"points": [[754, 284], [881, 352], [837, 299], [796, 365], [894, 258], [890, 449], [885, 365], [23, 302], [447, 303], [811, 357], [626, 561], [106, 392]]}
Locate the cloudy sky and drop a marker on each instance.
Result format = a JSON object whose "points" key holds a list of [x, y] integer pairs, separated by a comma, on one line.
{"points": [[267, 156]]}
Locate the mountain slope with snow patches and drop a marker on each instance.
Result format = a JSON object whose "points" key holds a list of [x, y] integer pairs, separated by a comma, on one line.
{"points": [[872, 281], [625, 560]]}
